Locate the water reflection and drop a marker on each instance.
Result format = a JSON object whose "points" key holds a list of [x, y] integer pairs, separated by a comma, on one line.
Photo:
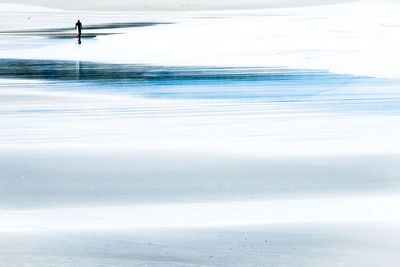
{"points": [[92, 71], [316, 89]]}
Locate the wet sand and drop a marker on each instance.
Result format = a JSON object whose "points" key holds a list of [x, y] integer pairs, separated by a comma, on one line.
{"points": [[66, 32]]}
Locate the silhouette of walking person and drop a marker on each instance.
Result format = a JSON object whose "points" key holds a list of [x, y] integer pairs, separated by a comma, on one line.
{"points": [[78, 26]]}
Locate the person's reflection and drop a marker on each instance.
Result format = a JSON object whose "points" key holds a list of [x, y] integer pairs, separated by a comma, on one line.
{"points": [[79, 40]]}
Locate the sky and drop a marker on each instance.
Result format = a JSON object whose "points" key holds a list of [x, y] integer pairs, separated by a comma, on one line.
{"points": [[167, 4]]}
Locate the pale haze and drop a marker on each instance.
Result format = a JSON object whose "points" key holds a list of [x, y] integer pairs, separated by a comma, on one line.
{"points": [[125, 5]]}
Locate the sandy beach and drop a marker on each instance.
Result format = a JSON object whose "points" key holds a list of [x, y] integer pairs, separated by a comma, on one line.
{"points": [[248, 137]]}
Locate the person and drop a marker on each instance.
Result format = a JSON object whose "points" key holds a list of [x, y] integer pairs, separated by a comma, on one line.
{"points": [[78, 26]]}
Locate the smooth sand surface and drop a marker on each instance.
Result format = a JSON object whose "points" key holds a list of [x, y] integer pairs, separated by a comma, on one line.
{"points": [[328, 245]]}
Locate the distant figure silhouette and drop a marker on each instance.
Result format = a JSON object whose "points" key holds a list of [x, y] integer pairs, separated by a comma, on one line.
{"points": [[78, 26]]}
